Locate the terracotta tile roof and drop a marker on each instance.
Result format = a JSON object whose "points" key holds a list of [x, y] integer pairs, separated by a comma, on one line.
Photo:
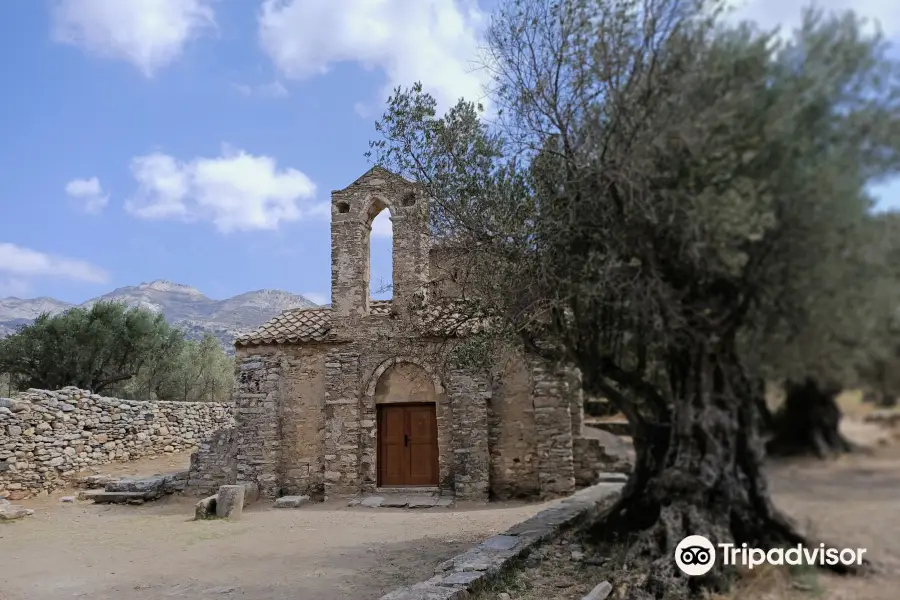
{"points": [[298, 325], [291, 326]]}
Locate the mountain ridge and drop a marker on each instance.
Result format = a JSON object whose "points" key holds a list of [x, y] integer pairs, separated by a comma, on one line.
{"points": [[182, 305]]}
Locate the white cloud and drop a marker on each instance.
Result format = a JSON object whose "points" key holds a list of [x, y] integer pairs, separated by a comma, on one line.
{"points": [[316, 297], [433, 41], [787, 13], [269, 90], [89, 192], [236, 191], [150, 34], [382, 226], [18, 262]]}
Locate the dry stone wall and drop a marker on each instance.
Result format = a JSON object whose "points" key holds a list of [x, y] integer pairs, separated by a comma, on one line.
{"points": [[46, 437]]}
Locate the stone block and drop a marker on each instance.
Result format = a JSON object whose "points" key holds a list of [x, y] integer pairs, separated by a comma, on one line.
{"points": [[291, 501], [372, 501], [395, 502], [230, 502], [501, 542], [422, 501], [462, 578], [251, 492], [600, 591], [104, 497], [206, 508], [11, 512]]}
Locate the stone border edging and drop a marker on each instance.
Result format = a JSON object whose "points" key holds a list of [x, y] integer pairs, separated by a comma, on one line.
{"points": [[456, 578]]}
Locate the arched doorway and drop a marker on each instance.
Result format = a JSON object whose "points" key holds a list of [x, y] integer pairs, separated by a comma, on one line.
{"points": [[407, 432]]}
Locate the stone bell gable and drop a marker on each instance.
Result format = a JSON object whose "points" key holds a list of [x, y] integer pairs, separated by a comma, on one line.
{"points": [[352, 211], [343, 400]]}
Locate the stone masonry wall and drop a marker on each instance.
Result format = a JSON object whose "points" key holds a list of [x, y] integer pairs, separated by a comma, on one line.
{"points": [[342, 422], [214, 464], [511, 432], [46, 437], [553, 425], [469, 394], [258, 426], [303, 421]]}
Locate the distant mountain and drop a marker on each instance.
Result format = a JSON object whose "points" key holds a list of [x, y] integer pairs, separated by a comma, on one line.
{"points": [[183, 306]]}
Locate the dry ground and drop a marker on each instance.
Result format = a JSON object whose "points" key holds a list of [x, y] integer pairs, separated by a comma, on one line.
{"points": [[151, 552], [850, 502]]}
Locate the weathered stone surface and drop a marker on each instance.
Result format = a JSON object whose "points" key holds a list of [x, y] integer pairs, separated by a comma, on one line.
{"points": [[206, 508], [600, 591], [251, 492], [461, 578], [501, 542], [11, 512], [429, 590], [291, 501], [422, 501], [230, 502], [395, 502], [372, 501], [104, 497], [46, 437]]}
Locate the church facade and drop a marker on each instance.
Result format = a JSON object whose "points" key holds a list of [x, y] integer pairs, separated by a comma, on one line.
{"points": [[343, 400]]}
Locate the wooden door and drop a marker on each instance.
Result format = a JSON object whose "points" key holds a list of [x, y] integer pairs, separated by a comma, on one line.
{"points": [[407, 445]]}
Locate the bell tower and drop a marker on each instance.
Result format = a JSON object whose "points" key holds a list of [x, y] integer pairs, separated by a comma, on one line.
{"points": [[352, 211]]}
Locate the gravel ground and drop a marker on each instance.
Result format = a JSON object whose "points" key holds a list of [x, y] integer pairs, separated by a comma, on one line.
{"points": [[150, 552]]}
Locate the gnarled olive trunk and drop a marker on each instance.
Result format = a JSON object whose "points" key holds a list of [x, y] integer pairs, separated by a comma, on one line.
{"points": [[699, 473], [809, 422]]}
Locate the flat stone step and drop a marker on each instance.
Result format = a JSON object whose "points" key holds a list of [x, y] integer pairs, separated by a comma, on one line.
{"points": [[291, 501], [397, 501], [104, 497], [408, 491]]}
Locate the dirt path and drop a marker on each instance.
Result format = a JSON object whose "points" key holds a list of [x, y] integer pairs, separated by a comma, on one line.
{"points": [[326, 552]]}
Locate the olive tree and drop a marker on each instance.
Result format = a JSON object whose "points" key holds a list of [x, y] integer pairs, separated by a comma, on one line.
{"points": [[632, 202], [92, 348]]}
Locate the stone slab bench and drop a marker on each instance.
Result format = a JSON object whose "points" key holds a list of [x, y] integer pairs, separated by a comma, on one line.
{"points": [[104, 497], [456, 578]]}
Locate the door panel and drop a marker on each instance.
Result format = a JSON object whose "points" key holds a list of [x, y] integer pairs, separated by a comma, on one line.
{"points": [[422, 445], [407, 445], [393, 461]]}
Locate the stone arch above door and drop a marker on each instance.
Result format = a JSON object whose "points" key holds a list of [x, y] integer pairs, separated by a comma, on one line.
{"points": [[372, 387], [403, 381]]}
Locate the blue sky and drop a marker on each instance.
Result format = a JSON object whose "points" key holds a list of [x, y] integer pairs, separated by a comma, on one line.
{"points": [[199, 140]]}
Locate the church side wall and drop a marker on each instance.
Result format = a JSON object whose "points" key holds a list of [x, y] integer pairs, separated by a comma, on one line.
{"points": [[303, 420], [511, 434], [257, 436]]}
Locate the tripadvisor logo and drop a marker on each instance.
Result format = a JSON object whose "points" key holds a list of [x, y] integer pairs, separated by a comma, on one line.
{"points": [[695, 555]]}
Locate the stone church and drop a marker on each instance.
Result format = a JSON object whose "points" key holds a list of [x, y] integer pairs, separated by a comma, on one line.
{"points": [[346, 399]]}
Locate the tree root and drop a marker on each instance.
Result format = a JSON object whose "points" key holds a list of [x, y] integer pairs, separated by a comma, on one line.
{"points": [[646, 567]]}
